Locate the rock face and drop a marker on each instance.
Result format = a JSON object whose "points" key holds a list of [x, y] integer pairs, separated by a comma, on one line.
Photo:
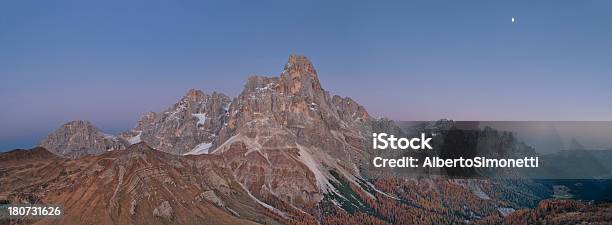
{"points": [[188, 127], [284, 134], [79, 138], [211, 197], [164, 210]]}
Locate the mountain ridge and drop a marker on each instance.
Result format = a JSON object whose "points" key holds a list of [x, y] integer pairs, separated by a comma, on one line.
{"points": [[281, 136], [283, 151]]}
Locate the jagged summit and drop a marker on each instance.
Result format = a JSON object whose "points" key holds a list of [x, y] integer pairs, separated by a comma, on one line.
{"points": [[299, 77], [189, 125], [194, 123], [291, 131], [260, 83], [194, 95], [299, 65], [75, 124]]}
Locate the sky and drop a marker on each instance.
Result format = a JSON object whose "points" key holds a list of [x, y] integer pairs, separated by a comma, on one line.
{"points": [[110, 62]]}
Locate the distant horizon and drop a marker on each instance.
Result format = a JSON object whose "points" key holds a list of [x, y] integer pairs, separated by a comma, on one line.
{"points": [[411, 61]]}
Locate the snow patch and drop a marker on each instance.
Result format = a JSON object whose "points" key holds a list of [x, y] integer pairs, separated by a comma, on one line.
{"points": [[200, 149], [201, 118], [135, 139], [109, 136], [265, 88]]}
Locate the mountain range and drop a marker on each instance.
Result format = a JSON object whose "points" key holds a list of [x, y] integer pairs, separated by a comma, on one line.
{"points": [[285, 151]]}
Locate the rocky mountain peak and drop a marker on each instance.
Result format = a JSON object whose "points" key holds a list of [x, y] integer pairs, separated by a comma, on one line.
{"points": [[194, 95], [80, 137], [299, 76], [188, 126], [288, 129], [79, 125], [298, 65], [260, 84], [291, 131]]}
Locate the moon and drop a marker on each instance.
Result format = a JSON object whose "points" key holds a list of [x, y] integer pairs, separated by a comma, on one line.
{"points": [[513, 19]]}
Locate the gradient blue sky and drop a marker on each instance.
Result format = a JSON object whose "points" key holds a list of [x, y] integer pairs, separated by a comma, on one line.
{"points": [[111, 61]]}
